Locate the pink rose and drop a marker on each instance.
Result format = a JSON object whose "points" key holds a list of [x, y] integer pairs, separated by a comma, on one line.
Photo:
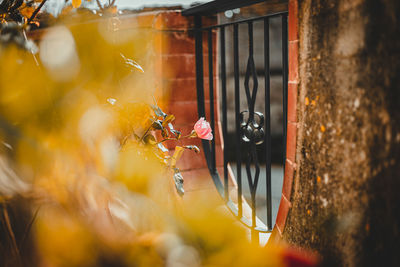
{"points": [[203, 129]]}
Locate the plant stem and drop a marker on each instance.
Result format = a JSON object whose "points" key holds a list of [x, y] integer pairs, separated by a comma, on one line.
{"points": [[146, 132], [99, 4], [11, 235], [166, 139]]}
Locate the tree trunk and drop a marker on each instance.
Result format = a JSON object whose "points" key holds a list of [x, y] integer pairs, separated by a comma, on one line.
{"points": [[345, 198]]}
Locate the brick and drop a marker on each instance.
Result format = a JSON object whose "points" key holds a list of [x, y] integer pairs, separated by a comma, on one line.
{"points": [[177, 42], [288, 179], [178, 66], [292, 102], [191, 161], [182, 66], [293, 20], [184, 89], [186, 112], [293, 61], [282, 214], [140, 20], [291, 141], [181, 42], [172, 20]]}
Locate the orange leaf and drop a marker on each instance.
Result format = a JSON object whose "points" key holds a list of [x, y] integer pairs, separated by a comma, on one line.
{"points": [[76, 3]]}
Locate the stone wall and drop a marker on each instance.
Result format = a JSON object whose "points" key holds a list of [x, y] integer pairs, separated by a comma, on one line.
{"points": [[344, 199]]}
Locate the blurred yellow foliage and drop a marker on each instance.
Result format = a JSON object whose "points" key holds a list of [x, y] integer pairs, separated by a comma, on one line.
{"points": [[76, 3], [68, 117]]}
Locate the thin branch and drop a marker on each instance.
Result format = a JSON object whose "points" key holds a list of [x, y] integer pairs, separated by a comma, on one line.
{"points": [[36, 11], [146, 132], [99, 4], [166, 139], [11, 234], [29, 227]]}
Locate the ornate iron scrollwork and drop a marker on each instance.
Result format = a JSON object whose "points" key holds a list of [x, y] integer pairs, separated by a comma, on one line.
{"points": [[252, 130], [251, 127]]}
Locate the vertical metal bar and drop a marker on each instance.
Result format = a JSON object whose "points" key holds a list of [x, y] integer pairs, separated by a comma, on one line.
{"points": [[284, 79], [267, 140], [199, 78], [251, 71], [237, 115], [224, 109], [199, 66], [252, 157], [211, 87], [254, 234]]}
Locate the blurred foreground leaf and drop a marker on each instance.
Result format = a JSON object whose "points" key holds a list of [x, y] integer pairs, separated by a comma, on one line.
{"points": [[76, 3], [178, 179]]}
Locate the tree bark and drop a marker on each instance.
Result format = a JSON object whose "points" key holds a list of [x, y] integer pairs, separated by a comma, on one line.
{"points": [[345, 198]]}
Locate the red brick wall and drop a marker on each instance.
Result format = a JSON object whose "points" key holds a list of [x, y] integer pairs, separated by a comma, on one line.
{"points": [[290, 165]]}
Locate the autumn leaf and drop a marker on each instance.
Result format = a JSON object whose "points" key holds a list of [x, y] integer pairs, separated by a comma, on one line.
{"points": [[27, 11], [76, 3], [168, 119]]}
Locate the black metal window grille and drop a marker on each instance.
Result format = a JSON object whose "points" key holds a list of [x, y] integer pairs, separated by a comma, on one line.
{"points": [[253, 128]]}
